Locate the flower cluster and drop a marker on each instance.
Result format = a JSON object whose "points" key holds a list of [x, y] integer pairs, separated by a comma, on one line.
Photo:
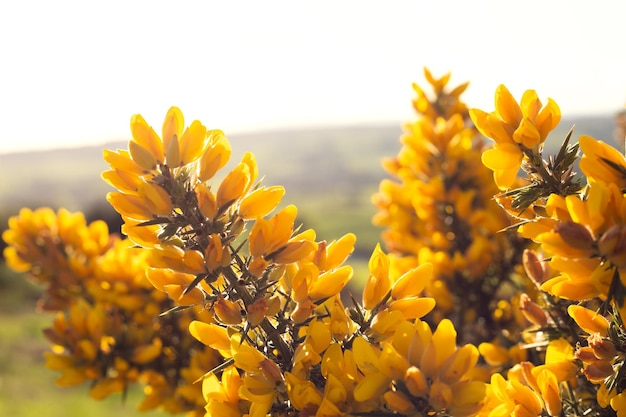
{"points": [[273, 292], [107, 328], [579, 266], [439, 208]]}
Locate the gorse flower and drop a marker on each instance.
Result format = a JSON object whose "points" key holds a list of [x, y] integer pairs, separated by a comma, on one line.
{"points": [[579, 231], [106, 328], [439, 209], [517, 129], [273, 292]]}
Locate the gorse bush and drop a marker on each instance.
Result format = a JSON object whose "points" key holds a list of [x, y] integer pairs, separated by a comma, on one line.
{"points": [[500, 289]]}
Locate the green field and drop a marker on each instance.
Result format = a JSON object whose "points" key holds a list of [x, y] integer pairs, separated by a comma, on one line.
{"points": [[330, 174]]}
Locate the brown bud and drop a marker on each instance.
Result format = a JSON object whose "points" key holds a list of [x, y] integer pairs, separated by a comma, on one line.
{"points": [[598, 371], [257, 311], [586, 355], [270, 370], [575, 235], [532, 311], [227, 312], [534, 267], [612, 245], [602, 348]]}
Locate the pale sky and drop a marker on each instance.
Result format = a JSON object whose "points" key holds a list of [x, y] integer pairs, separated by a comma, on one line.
{"points": [[73, 72]]}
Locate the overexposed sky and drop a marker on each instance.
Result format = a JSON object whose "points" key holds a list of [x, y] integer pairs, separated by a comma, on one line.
{"points": [[73, 72]]}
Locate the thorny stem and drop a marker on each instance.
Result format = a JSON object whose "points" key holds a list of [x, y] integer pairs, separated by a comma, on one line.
{"points": [[538, 163], [272, 333]]}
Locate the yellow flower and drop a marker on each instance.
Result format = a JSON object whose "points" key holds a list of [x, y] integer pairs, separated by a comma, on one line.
{"points": [[504, 160], [211, 335], [227, 311], [234, 185], [378, 283], [618, 403], [516, 129], [559, 360], [601, 162], [260, 202], [146, 147], [215, 156], [270, 240], [588, 320], [302, 393], [331, 255], [222, 396]]}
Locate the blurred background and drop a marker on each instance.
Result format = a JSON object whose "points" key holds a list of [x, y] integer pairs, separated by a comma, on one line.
{"points": [[318, 91]]}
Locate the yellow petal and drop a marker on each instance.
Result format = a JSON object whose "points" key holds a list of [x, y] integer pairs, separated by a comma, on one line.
{"points": [[146, 353], [413, 307], [330, 283], [530, 105], [146, 137], [293, 251], [211, 335], [548, 118], [460, 362], [412, 282], [233, 186], [215, 156], [502, 156], [124, 181], [172, 128], [527, 134], [378, 283], [155, 198], [549, 389], [192, 143], [506, 106], [260, 202], [142, 156], [129, 205], [338, 251], [588, 320], [371, 387]]}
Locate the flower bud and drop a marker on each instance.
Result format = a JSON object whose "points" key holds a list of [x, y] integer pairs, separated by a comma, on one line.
{"points": [[602, 348], [612, 245], [233, 186], [597, 372], [398, 401], [586, 355], [216, 255], [532, 311], [535, 269], [293, 251], [271, 370], [575, 235], [257, 311], [227, 312], [215, 156], [206, 201], [415, 381]]}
